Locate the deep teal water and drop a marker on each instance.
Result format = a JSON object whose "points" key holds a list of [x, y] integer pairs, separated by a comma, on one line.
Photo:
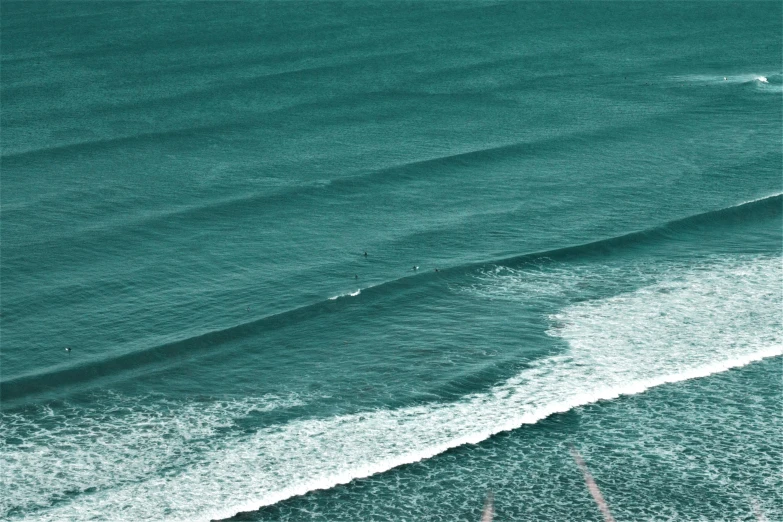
{"points": [[591, 193]]}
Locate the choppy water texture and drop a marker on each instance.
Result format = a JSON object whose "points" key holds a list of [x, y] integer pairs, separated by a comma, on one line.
{"points": [[591, 194]]}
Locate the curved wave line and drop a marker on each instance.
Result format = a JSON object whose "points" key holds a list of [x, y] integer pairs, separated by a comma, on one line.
{"points": [[251, 83], [85, 146], [400, 170], [771, 206]]}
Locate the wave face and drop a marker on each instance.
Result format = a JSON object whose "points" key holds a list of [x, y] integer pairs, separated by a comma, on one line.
{"points": [[367, 262]]}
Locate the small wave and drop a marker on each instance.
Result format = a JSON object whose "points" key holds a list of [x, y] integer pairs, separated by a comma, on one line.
{"points": [[774, 195], [350, 294]]}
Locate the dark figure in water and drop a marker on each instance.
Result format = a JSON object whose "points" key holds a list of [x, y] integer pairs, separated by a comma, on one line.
{"points": [[356, 276], [415, 268], [365, 253], [437, 270], [68, 349]]}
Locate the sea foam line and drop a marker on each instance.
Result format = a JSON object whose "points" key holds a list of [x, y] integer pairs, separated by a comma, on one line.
{"points": [[479, 436]]}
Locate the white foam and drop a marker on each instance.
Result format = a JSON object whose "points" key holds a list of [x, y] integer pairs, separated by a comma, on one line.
{"points": [[349, 294], [773, 195], [691, 323], [715, 78], [52, 452]]}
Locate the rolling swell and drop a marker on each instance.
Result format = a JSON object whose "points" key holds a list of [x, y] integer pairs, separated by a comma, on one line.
{"points": [[766, 208], [259, 115], [358, 182], [33, 384], [178, 101]]}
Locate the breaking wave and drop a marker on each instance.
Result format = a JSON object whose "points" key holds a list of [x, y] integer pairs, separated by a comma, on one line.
{"points": [[691, 322]]}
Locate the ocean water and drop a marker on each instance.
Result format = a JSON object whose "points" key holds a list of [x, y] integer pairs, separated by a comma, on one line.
{"points": [[572, 215]]}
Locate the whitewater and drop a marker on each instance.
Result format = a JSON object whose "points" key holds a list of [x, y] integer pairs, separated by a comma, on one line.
{"points": [[373, 261], [694, 322]]}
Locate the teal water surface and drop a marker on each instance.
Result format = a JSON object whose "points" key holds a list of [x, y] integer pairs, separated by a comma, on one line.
{"points": [[370, 261]]}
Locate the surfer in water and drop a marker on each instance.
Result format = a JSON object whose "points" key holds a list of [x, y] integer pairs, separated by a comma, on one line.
{"points": [[68, 349], [365, 253]]}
